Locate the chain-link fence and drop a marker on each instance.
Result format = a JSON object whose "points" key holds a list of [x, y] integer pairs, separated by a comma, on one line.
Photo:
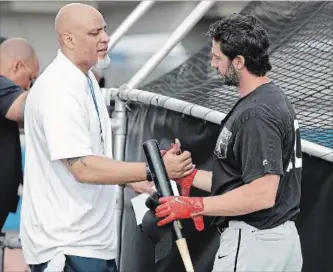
{"points": [[301, 35]]}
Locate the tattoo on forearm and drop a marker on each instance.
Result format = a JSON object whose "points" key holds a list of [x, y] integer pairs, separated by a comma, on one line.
{"points": [[71, 161]]}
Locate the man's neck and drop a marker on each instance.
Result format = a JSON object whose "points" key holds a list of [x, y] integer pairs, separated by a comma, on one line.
{"points": [[251, 83], [3, 72], [83, 67], [6, 74]]}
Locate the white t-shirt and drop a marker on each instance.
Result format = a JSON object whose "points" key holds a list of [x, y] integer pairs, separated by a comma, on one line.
{"points": [[60, 214]]}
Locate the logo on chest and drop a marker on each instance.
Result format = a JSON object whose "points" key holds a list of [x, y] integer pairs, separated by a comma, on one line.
{"points": [[221, 148]]}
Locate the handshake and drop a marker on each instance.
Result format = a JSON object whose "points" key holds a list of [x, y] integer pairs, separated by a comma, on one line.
{"points": [[179, 167]]}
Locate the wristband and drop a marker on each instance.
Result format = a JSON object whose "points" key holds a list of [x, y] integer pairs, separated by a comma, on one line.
{"points": [[148, 174]]}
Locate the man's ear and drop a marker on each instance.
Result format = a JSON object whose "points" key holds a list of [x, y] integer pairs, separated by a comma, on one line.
{"points": [[17, 65], [238, 62], [68, 40]]}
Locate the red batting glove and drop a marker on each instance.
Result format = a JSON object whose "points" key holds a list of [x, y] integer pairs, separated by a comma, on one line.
{"points": [[180, 207]]}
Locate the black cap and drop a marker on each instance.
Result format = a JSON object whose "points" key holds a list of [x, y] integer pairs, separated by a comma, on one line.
{"points": [[162, 237]]}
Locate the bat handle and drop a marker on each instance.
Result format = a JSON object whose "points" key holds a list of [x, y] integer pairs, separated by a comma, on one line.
{"points": [[185, 254]]}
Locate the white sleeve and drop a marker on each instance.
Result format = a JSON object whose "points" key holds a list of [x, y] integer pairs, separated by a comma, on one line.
{"points": [[65, 127]]}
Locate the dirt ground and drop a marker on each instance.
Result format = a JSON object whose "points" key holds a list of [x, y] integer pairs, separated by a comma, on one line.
{"points": [[14, 261]]}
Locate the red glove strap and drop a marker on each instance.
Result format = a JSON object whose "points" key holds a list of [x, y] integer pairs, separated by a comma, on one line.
{"points": [[186, 183], [198, 222]]}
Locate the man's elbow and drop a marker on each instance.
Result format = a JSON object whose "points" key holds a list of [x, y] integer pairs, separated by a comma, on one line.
{"points": [[268, 200], [269, 203], [77, 168], [79, 176], [15, 115], [267, 188]]}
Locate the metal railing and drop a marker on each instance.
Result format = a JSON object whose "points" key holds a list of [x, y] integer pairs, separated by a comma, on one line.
{"points": [[213, 116]]}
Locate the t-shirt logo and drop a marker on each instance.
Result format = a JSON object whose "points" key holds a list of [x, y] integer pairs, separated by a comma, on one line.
{"points": [[221, 148]]}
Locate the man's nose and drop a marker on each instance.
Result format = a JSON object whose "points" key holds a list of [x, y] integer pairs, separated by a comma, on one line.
{"points": [[106, 37], [213, 64]]}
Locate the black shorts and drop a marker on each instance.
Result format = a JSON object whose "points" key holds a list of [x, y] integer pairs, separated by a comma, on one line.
{"points": [[8, 203], [3, 217]]}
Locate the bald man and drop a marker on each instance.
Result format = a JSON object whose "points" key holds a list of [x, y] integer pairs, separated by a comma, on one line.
{"points": [[68, 219], [18, 66]]}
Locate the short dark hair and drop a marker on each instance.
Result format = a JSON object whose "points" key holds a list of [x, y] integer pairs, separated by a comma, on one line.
{"points": [[243, 35]]}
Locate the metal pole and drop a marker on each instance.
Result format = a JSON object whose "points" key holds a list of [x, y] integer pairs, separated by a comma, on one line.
{"points": [[134, 16], [119, 129], [188, 23], [119, 117]]}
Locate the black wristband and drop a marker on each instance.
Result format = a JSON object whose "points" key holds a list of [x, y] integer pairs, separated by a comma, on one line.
{"points": [[148, 174]]}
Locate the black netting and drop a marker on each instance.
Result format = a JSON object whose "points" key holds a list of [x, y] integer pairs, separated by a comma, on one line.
{"points": [[301, 34]]}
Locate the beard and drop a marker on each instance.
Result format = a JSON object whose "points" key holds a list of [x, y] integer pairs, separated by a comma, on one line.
{"points": [[103, 63], [231, 77]]}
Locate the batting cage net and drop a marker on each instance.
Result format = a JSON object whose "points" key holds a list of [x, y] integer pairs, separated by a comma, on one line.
{"points": [[301, 35]]}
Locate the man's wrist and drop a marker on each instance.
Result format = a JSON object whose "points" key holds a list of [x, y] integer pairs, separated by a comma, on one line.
{"points": [[198, 205], [149, 176], [187, 182]]}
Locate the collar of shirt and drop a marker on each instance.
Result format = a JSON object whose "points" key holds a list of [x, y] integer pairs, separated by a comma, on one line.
{"points": [[70, 67]]}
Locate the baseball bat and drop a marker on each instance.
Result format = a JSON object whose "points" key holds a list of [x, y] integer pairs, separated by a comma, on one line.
{"points": [[164, 189]]}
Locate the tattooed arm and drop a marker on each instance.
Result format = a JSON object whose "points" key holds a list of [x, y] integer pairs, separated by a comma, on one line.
{"points": [[16, 110], [101, 170]]}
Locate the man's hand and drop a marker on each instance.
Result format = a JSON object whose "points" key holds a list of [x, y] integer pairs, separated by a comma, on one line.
{"points": [[179, 207], [178, 166], [175, 147], [186, 181], [142, 187]]}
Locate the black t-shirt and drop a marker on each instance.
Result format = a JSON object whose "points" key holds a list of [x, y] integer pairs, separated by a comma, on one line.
{"points": [[10, 148], [259, 136]]}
